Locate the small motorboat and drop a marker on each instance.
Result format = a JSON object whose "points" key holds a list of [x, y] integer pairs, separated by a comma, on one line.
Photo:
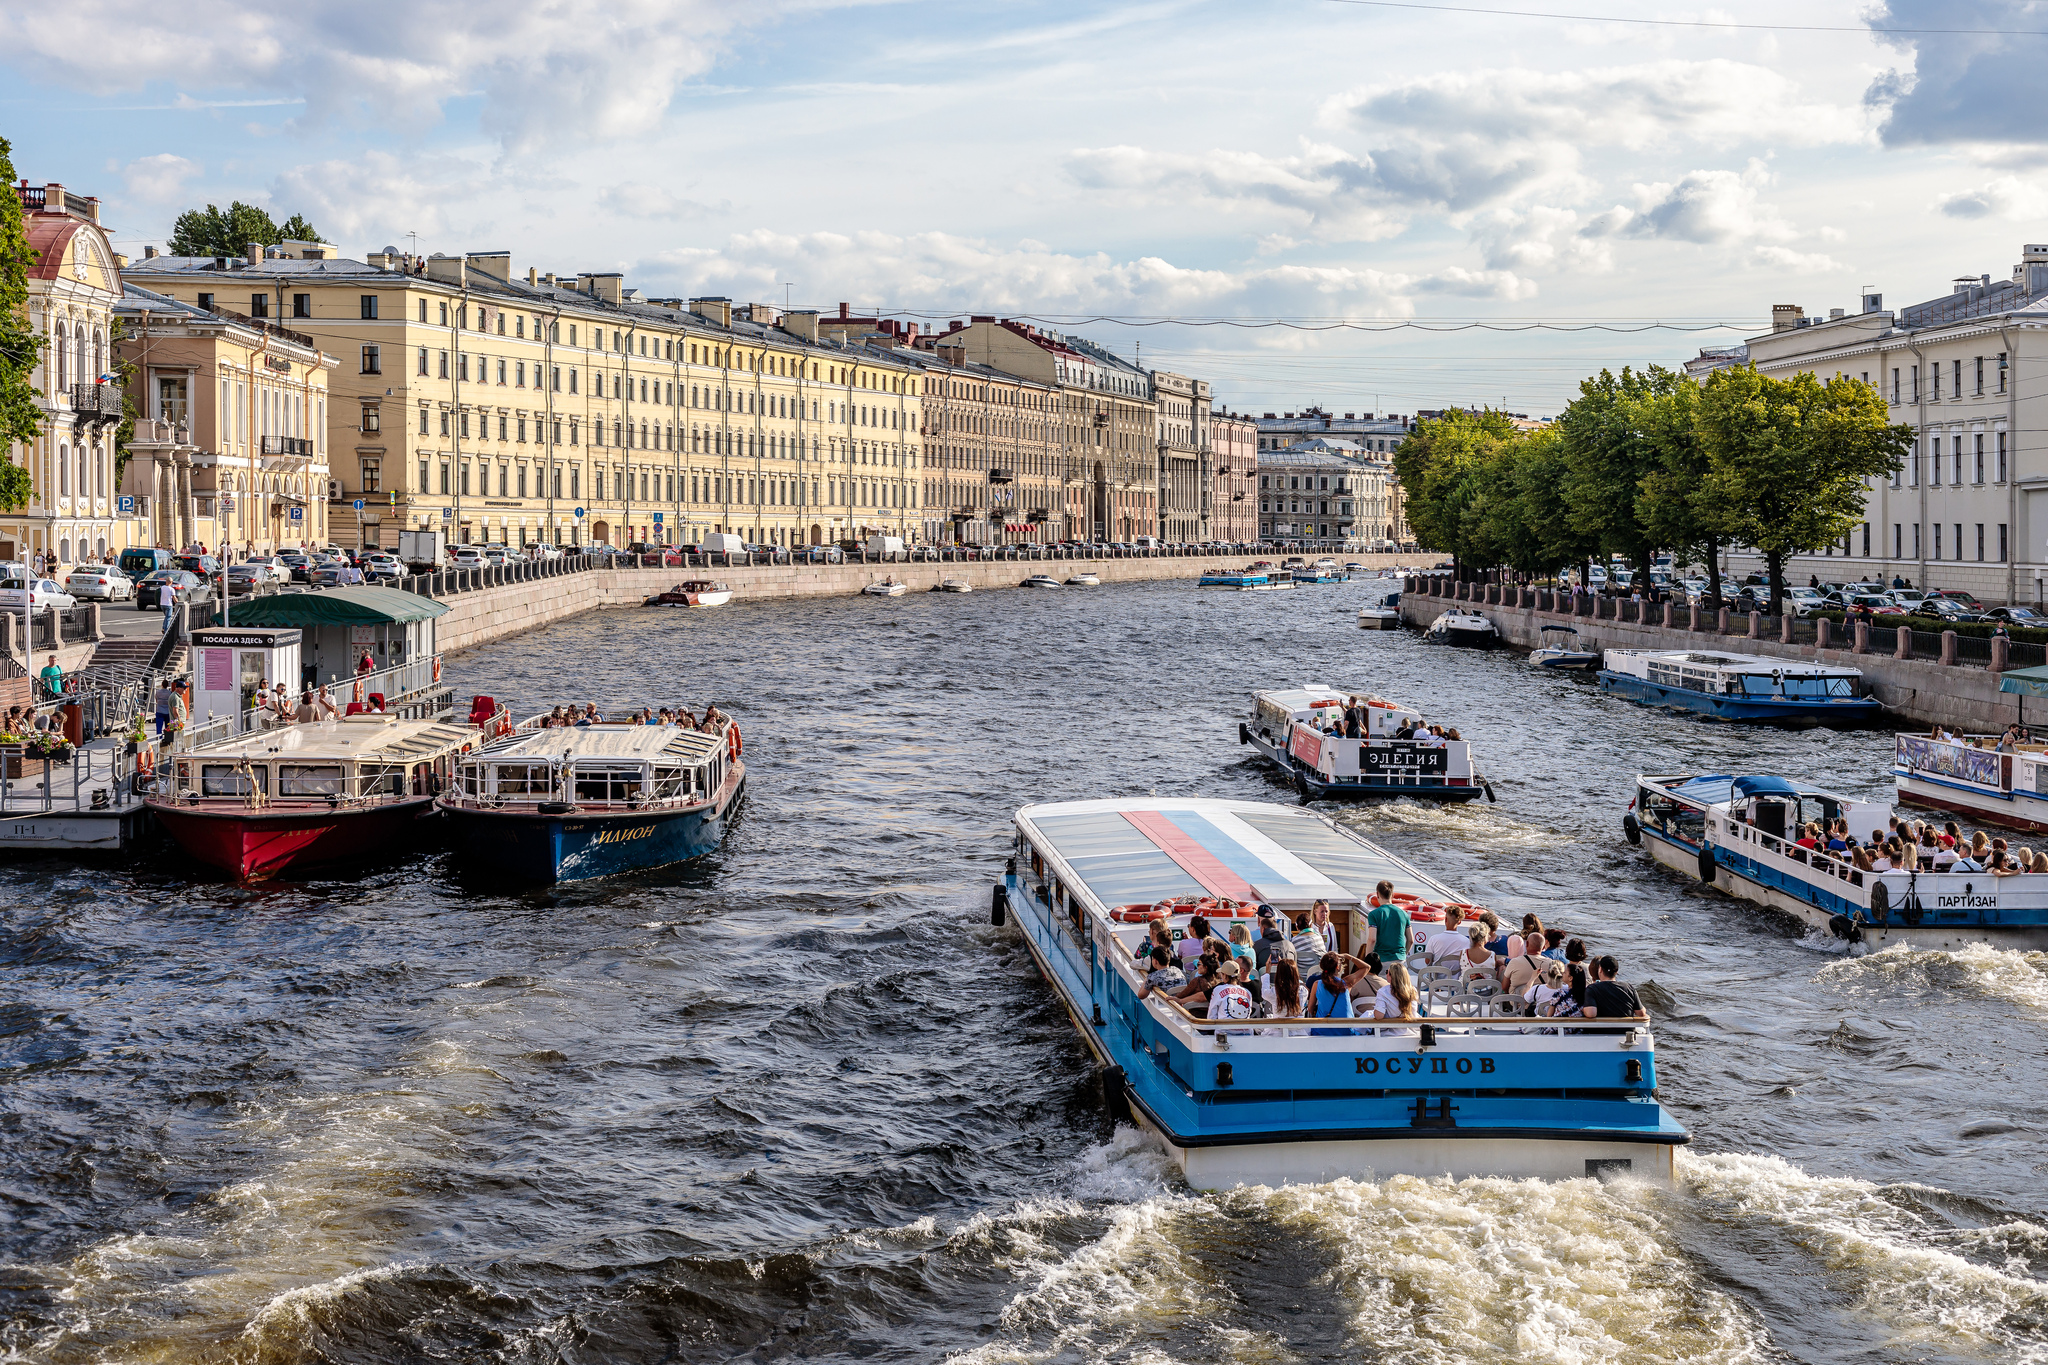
{"points": [[1382, 617], [696, 593], [1562, 651], [1040, 580], [888, 587], [1353, 567], [1462, 627], [1084, 580], [954, 585]]}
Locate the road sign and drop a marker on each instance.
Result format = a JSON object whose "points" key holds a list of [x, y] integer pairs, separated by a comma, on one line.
{"points": [[359, 505], [296, 514], [128, 503], [447, 514], [579, 511], [657, 518]]}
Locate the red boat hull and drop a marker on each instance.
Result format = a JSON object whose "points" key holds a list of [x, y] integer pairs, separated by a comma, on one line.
{"points": [[251, 845]]}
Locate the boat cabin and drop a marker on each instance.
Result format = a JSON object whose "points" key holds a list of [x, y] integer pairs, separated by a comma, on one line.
{"points": [[354, 759], [1738, 675], [1276, 713], [1773, 807], [624, 765]]}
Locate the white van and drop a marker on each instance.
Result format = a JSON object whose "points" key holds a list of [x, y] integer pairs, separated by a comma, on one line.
{"points": [[723, 543], [1146, 542], [888, 547]]}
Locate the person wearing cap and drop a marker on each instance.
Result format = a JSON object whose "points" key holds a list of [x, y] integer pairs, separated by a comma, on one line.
{"points": [[1229, 999], [1269, 934]]}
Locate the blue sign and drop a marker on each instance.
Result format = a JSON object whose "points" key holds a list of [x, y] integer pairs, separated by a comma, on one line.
{"points": [[447, 514], [579, 511], [128, 502], [657, 518], [296, 514], [359, 506]]}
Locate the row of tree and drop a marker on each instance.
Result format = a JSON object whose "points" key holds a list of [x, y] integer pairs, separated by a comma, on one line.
{"points": [[213, 231], [1650, 461]]}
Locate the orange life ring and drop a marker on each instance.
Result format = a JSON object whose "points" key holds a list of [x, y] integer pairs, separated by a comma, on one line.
{"points": [[1135, 914], [437, 668], [732, 740]]}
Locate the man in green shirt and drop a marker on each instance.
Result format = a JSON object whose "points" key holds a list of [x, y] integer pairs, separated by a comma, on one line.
{"points": [[1387, 928], [53, 677]]}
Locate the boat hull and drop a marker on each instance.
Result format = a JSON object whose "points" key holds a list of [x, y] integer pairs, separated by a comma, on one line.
{"points": [[1467, 638], [540, 849], [253, 845], [1293, 1155], [1365, 788], [1379, 620], [1563, 660], [1816, 906], [1842, 711], [2021, 811]]}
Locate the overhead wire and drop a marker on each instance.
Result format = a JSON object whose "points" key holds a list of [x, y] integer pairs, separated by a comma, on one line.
{"points": [[1342, 324], [1869, 29]]}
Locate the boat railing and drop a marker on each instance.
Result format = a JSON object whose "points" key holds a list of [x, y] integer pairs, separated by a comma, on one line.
{"points": [[1820, 860], [1336, 1033], [1956, 760], [353, 791]]}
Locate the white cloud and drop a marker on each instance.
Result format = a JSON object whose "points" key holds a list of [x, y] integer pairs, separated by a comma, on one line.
{"points": [[594, 68], [1708, 208], [380, 197], [1802, 262], [2007, 196], [158, 179], [1541, 238], [638, 199]]}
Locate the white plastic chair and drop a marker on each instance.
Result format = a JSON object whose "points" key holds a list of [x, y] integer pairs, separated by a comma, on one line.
{"points": [[1464, 1006]]}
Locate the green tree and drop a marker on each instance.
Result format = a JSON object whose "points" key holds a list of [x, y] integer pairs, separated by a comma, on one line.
{"points": [[1607, 456], [1675, 502], [1445, 464], [1787, 459], [214, 232], [21, 416]]}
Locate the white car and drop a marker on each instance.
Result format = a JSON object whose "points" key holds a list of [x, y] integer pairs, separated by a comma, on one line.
{"points": [[382, 567], [1803, 602], [465, 557], [273, 570], [35, 593], [99, 584]]}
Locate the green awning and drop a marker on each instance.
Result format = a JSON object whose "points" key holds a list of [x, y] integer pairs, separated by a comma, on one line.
{"points": [[2031, 682], [364, 606]]}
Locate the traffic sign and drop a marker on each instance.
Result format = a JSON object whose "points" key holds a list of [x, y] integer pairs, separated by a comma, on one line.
{"points": [[359, 505], [579, 511], [447, 514], [296, 514], [657, 518], [128, 502]]}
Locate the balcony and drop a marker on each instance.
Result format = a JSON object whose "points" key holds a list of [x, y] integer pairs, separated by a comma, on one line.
{"points": [[1002, 476], [96, 402], [294, 446]]}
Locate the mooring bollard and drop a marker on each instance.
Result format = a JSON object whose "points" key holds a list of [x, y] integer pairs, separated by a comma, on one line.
{"points": [[1905, 645]]}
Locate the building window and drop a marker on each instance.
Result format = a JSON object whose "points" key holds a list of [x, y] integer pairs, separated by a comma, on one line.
{"points": [[443, 313], [2001, 452], [369, 302], [302, 305], [1956, 370], [444, 421], [575, 474], [371, 420], [444, 365], [2001, 542], [465, 423], [1978, 441], [422, 485], [206, 302], [1866, 540], [444, 466], [259, 305], [423, 360], [372, 476], [557, 479], [423, 421], [1980, 374], [373, 362], [1916, 393], [2001, 371], [462, 368]]}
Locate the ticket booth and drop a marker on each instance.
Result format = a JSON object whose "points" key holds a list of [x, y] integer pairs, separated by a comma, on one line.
{"points": [[229, 663]]}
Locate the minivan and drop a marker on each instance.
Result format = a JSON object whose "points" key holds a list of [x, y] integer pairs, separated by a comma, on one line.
{"points": [[140, 564]]}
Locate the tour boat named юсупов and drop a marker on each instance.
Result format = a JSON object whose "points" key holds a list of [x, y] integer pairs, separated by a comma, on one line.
{"points": [[563, 804], [1740, 686], [1271, 1101], [1293, 728], [1741, 834]]}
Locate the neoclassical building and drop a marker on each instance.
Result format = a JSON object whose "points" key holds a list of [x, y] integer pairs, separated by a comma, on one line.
{"points": [[73, 287]]}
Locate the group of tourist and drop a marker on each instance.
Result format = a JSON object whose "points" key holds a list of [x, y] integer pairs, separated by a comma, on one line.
{"points": [[1354, 721], [1916, 846], [712, 722], [1287, 971], [2007, 743]]}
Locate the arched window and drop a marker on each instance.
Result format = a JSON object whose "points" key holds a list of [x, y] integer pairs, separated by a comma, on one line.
{"points": [[64, 551], [63, 357], [63, 471], [99, 354], [85, 375]]}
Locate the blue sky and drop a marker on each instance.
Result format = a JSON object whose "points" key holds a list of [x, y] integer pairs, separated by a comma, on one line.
{"points": [[1173, 159]]}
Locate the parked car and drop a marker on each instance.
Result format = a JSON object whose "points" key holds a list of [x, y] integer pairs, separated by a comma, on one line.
{"points": [[1958, 596], [191, 588], [1803, 602], [1949, 610], [466, 557], [248, 578], [99, 584], [337, 576], [382, 567], [1908, 599], [2019, 616], [206, 566], [37, 594]]}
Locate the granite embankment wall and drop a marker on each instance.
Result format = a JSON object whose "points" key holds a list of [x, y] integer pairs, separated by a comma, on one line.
{"points": [[1958, 695], [479, 616]]}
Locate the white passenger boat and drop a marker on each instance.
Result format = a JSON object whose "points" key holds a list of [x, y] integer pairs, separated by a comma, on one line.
{"points": [[1740, 833], [1460, 626], [1289, 727], [1265, 1101], [887, 587], [1245, 580], [1040, 580], [1740, 686], [1967, 774], [954, 585], [1560, 650], [1084, 580], [696, 593]]}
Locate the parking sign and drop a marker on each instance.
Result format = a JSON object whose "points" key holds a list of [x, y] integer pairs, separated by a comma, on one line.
{"points": [[128, 503], [296, 514]]}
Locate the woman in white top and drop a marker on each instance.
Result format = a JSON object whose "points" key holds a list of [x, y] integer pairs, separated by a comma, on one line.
{"points": [[1475, 960], [1549, 986], [1396, 1000], [1319, 920]]}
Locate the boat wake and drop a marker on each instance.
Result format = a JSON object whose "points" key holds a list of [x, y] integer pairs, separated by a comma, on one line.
{"points": [[1901, 973]]}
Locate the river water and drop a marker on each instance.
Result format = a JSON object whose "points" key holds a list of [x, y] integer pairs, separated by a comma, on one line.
{"points": [[798, 1101]]}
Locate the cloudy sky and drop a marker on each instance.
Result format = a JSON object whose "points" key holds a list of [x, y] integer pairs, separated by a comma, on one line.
{"points": [[1309, 161]]}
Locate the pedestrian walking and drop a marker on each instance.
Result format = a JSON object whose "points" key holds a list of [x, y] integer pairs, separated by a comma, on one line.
{"points": [[167, 598]]}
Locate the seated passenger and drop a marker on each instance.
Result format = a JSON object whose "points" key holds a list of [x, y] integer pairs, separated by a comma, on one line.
{"points": [[1327, 997], [1448, 941], [1542, 997], [1157, 935], [1164, 977], [1204, 980], [1556, 939], [1607, 998], [1241, 951], [1269, 936], [1309, 947], [1496, 936], [1229, 1000], [1364, 978], [1282, 988], [1476, 960], [1880, 861], [1396, 1000]]}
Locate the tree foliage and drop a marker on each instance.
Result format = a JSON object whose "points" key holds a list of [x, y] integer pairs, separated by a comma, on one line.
{"points": [[20, 344], [215, 232]]}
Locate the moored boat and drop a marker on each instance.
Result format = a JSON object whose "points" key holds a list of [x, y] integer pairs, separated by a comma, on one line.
{"points": [[1292, 727], [1560, 651], [311, 794], [887, 587], [1459, 626], [1084, 580], [1749, 687], [1040, 580], [1323, 571], [1379, 618], [695, 593], [954, 585], [1970, 776], [1255, 579], [546, 805], [1472, 1090], [1741, 834]]}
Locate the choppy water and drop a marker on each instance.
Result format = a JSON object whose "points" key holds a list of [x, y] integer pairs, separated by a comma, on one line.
{"points": [[799, 1102]]}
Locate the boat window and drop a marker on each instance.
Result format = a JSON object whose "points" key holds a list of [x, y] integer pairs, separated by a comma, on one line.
{"points": [[671, 783], [525, 779], [381, 779], [608, 784], [310, 779], [1820, 687], [225, 779]]}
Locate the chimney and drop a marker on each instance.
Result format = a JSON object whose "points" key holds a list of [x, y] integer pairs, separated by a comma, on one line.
{"points": [[148, 253], [801, 324], [609, 287], [447, 269], [1873, 303], [2032, 273], [842, 310], [496, 264], [1963, 284], [532, 277], [1786, 316], [718, 310], [254, 252], [1834, 313]]}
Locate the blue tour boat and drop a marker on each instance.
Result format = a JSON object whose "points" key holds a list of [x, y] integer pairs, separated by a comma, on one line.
{"points": [[1740, 834], [569, 804], [1242, 580], [1269, 1101], [1748, 687], [1288, 726]]}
